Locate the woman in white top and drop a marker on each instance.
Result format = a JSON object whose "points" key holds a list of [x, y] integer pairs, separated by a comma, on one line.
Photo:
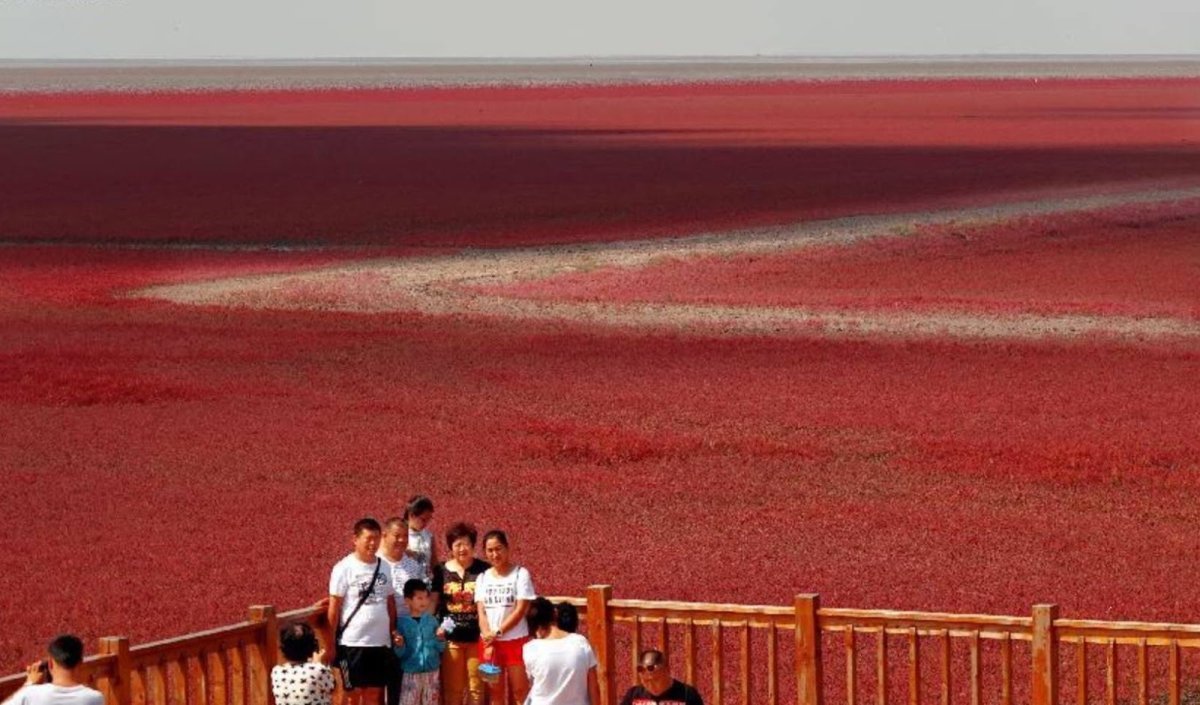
{"points": [[303, 679], [561, 665], [418, 514], [502, 596]]}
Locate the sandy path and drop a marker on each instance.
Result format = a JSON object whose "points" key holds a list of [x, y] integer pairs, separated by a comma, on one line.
{"points": [[445, 285]]}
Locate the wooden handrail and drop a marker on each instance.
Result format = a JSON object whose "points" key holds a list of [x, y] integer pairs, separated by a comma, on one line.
{"points": [[193, 644], [700, 608], [1089, 627], [842, 615], [229, 665]]}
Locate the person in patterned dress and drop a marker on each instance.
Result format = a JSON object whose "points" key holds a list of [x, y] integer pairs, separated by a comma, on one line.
{"points": [[303, 679]]}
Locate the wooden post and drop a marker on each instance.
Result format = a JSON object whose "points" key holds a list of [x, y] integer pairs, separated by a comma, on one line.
{"points": [[1045, 656], [117, 691], [175, 679], [599, 622], [808, 650], [263, 657]]}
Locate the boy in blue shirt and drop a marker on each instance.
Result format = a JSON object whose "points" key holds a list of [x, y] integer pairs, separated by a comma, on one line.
{"points": [[424, 641]]}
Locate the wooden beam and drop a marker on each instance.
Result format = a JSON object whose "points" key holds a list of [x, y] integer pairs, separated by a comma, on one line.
{"points": [[808, 650], [1044, 689], [599, 621]]}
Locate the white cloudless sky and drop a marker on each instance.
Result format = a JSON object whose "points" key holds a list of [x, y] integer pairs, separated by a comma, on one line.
{"points": [[299, 29]]}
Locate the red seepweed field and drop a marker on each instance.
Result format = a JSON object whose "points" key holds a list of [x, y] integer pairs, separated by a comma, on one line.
{"points": [[166, 465]]}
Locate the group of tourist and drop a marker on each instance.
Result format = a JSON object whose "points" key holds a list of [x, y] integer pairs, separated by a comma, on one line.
{"points": [[408, 629]]}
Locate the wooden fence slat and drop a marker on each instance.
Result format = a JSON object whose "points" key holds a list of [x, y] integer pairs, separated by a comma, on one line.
{"points": [[156, 680], [1173, 675], [976, 672], [1081, 672], [689, 651], [1111, 675], [664, 640], [851, 667], [773, 666], [914, 667], [139, 686], [256, 685], [635, 645], [237, 674], [196, 668], [744, 653], [1006, 670], [945, 643], [217, 677], [881, 667], [1143, 675], [176, 682], [718, 665]]}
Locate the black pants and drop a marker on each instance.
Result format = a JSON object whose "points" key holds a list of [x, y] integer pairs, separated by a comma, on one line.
{"points": [[393, 685]]}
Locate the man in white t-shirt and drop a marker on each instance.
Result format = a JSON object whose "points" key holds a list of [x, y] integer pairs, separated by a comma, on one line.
{"points": [[362, 608], [57, 680], [402, 568], [393, 547]]}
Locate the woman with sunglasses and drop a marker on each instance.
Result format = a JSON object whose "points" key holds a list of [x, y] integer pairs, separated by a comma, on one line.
{"points": [[561, 665], [656, 686]]}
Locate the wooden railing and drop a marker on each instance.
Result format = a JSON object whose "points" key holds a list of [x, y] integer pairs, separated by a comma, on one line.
{"points": [[224, 666], [801, 654]]}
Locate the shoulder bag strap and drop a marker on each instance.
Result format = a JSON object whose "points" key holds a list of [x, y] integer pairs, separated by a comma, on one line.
{"points": [[361, 599]]}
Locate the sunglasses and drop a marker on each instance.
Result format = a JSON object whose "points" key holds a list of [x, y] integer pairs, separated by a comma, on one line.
{"points": [[648, 669]]}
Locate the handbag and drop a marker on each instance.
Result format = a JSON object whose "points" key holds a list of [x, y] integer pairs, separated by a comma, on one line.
{"points": [[341, 658]]}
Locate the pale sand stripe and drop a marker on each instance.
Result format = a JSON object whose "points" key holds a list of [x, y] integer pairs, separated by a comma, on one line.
{"points": [[444, 285]]}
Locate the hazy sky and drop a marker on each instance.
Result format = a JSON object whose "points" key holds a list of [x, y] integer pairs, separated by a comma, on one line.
{"points": [[49, 29]]}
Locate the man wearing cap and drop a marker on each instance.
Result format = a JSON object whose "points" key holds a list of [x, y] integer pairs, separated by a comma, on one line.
{"points": [[656, 686]]}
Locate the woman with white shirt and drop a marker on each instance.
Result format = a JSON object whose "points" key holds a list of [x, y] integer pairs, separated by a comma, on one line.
{"points": [[418, 514], [502, 595], [561, 665]]}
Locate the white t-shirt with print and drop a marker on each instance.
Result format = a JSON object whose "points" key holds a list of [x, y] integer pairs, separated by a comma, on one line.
{"points": [[349, 580], [499, 595], [50, 694], [402, 571], [302, 683], [420, 550], [558, 670]]}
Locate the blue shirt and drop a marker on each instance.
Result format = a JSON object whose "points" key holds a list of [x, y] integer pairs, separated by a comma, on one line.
{"points": [[422, 650]]}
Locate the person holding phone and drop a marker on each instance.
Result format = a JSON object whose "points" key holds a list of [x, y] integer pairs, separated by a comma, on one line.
{"points": [[58, 679]]}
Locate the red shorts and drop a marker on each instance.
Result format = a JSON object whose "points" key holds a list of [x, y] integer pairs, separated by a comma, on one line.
{"points": [[504, 653]]}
